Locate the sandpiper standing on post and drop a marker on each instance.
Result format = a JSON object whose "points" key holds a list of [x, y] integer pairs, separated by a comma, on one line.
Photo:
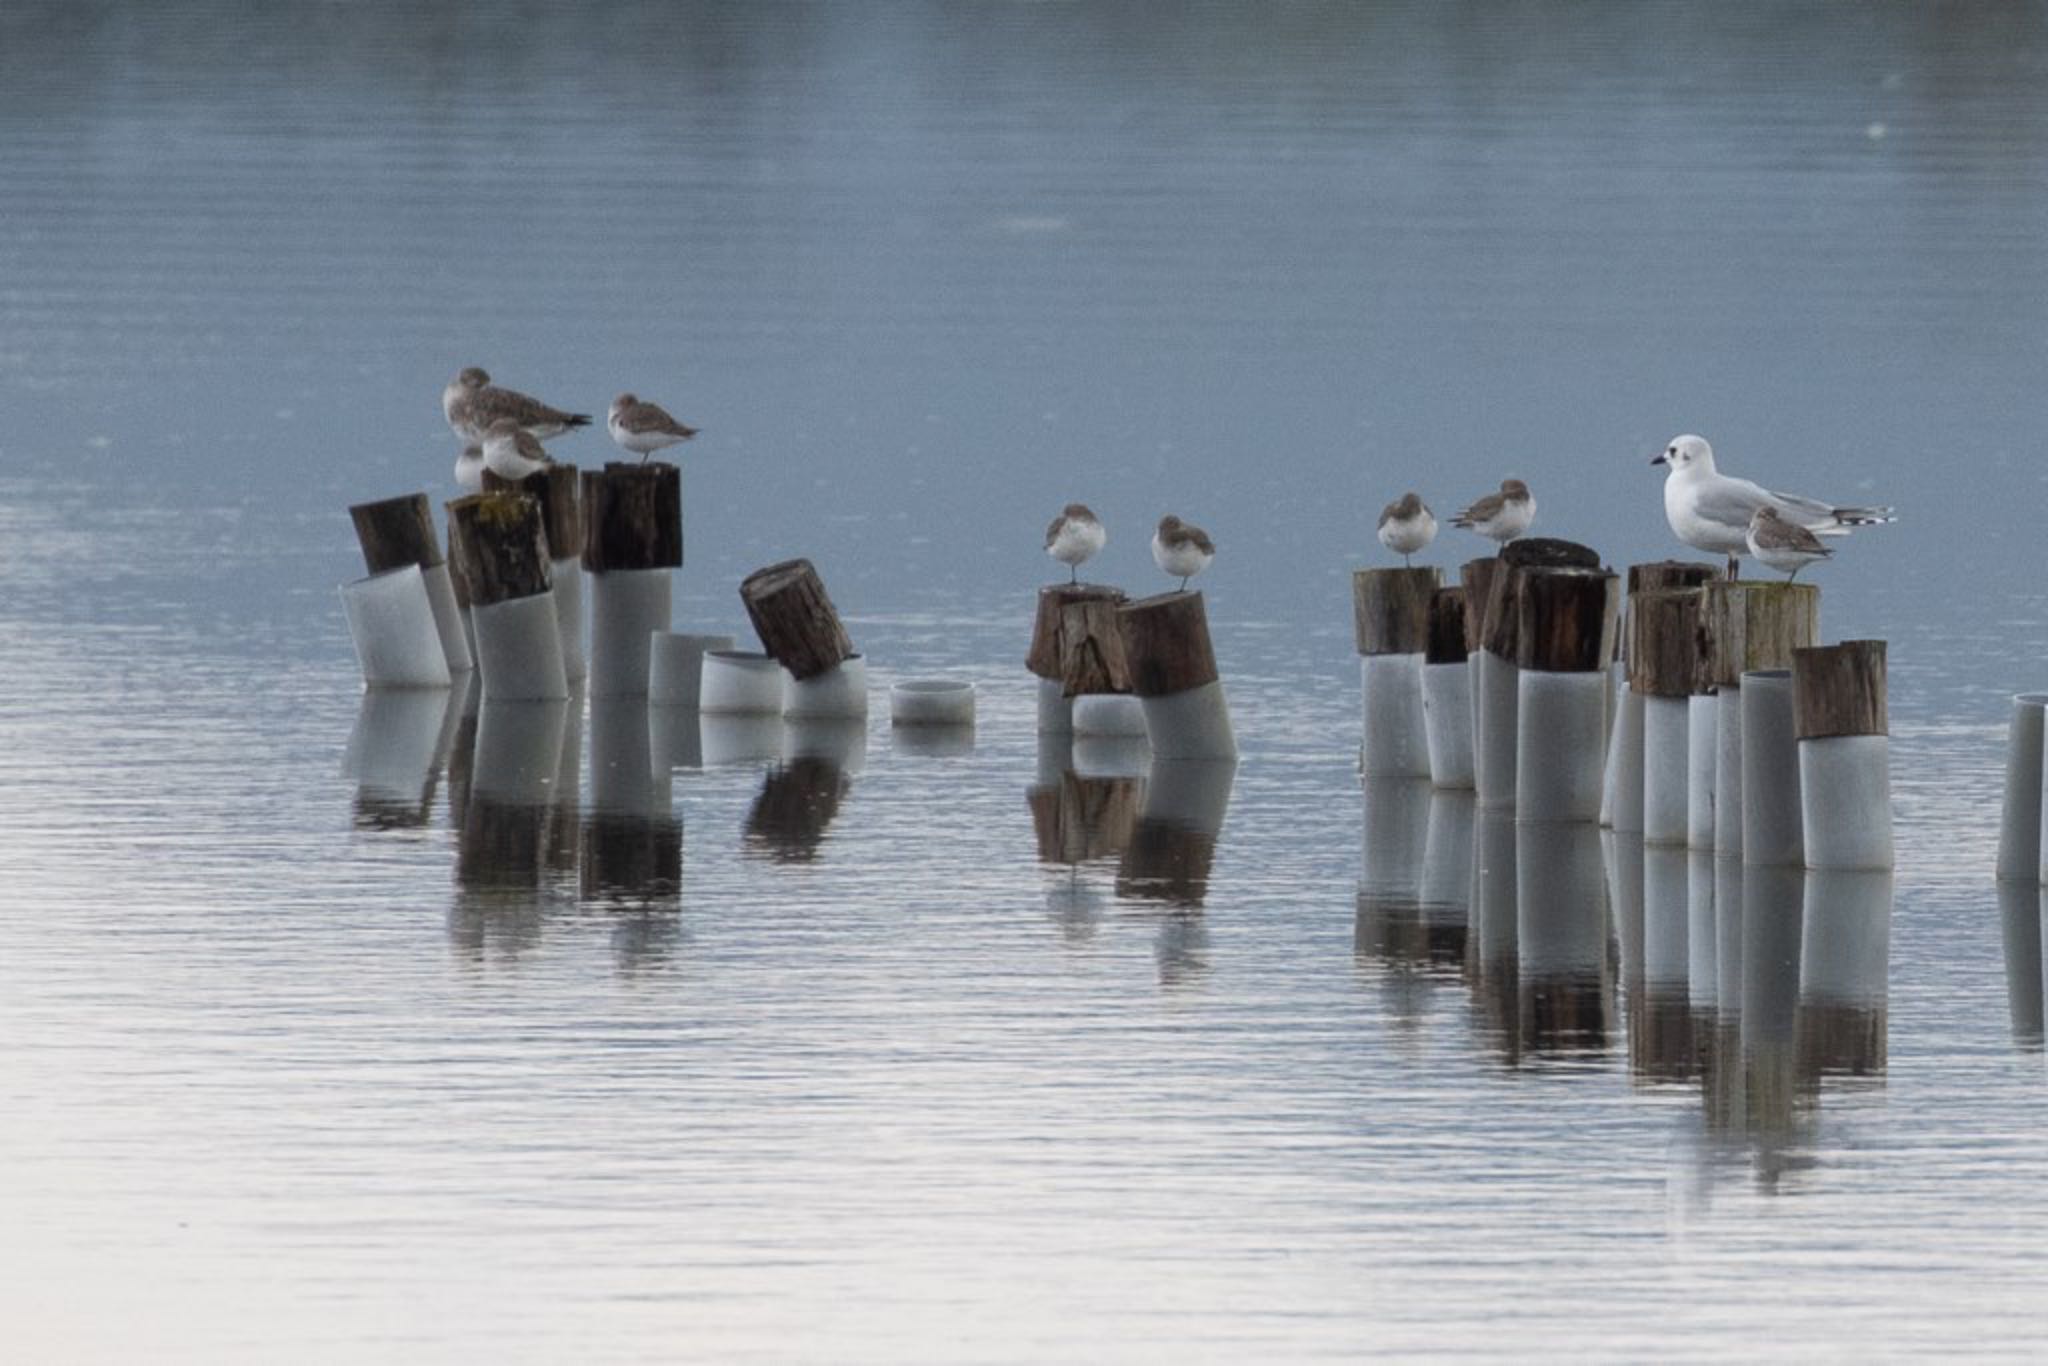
{"points": [[1500, 516], [644, 428], [1074, 537], [511, 452], [1407, 526], [1181, 549], [1783, 546], [1711, 511], [471, 403]]}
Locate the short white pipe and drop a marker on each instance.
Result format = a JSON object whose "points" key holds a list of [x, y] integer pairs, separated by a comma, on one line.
{"points": [[1447, 849], [1666, 794], [839, 693], [674, 736], [1396, 832], [1191, 724], [1846, 946], [1396, 731], [1846, 801], [739, 737], [2019, 915], [1621, 804], [1560, 920], [627, 606], [1702, 933], [1118, 714], [947, 702], [447, 618], [1702, 718], [519, 650], [675, 667], [740, 682], [569, 616], [1557, 746], [1773, 827], [396, 746], [1055, 708], [2019, 826], [1494, 744], [1447, 722], [518, 755], [1055, 761], [468, 635], [391, 620], [1728, 773]]}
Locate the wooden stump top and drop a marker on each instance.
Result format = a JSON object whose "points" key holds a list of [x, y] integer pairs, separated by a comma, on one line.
{"points": [[1166, 644], [1757, 625], [1667, 652], [396, 532], [633, 517], [558, 489], [1045, 657], [1839, 690], [795, 619], [1446, 627], [1659, 575], [1565, 619], [1548, 552], [502, 545], [1390, 609]]}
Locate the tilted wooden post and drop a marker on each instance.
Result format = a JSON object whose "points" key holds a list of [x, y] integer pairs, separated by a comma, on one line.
{"points": [[1390, 620], [397, 532], [799, 627], [1076, 649], [502, 543], [558, 489], [632, 544]]}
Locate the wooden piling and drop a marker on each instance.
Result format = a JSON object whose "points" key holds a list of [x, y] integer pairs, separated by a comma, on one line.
{"points": [[1839, 690], [396, 532], [1662, 575], [1565, 618], [795, 619], [1756, 625], [1667, 643], [456, 578], [1166, 644], [502, 545], [557, 489], [632, 517], [1448, 642], [1476, 576], [1391, 609], [1075, 640], [1503, 611]]}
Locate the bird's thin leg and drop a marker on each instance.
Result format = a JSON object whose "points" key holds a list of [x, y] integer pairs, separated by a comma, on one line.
{"points": [[1734, 568], [1406, 562], [1793, 577], [1183, 583], [1073, 573]]}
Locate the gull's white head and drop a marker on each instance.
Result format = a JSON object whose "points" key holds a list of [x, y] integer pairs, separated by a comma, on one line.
{"points": [[1687, 453]]}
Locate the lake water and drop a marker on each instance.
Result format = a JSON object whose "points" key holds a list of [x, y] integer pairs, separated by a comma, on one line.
{"points": [[328, 1040]]}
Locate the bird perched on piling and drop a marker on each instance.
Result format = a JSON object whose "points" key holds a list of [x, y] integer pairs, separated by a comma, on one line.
{"points": [[1407, 526], [1712, 511], [644, 428], [511, 452], [1782, 545], [471, 403], [1500, 516], [1181, 549], [1074, 537]]}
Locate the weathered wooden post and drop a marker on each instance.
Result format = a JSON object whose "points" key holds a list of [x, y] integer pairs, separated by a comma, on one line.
{"points": [[1750, 626], [1499, 687], [397, 532], [1390, 611], [1447, 691], [1173, 672], [632, 543], [1665, 666], [798, 625], [1844, 754], [1076, 649], [1621, 804], [2019, 826], [1563, 640], [503, 547], [460, 586], [558, 490], [1773, 827]]}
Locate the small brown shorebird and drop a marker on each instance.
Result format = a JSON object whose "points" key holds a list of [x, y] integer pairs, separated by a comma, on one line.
{"points": [[1500, 516], [471, 403], [511, 452], [1074, 538], [1407, 526], [1784, 546], [644, 428], [1181, 549]]}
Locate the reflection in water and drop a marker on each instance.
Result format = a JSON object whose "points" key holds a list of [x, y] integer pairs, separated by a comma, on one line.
{"points": [[1843, 959], [1173, 842], [932, 742], [2019, 913], [512, 783], [1565, 970], [632, 855], [1495, 911], [401, 742], [1661, 1044], [1078, 819], [1390, 929], [800, 796]]}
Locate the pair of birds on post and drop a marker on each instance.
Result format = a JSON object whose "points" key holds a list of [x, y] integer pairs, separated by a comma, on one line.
{"points": [[1409, 525], [502, 429], [1181, 549]]}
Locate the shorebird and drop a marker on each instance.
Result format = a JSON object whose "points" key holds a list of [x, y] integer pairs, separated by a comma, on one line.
{"points": [[1074, 537], [471, 403], [511, 452], [1407, 526], [644, 428], [1500, 516], [1710, 511], [1782, 545], [1181, 550]]}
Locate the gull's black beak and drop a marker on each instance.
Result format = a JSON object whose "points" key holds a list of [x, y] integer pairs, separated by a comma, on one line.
{"points": [[1656, 460]]}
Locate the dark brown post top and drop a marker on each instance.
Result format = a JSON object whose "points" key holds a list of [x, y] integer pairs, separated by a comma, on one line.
{"points": [[1667, 653], [502, 546], [396, 532], [1166, 644], [795, 618], [1659, 575], [1390, 609], [1498, 632], [1757, 625], [1477, 578], [632, 517], [560, 500], [1564, 618], [1839, 690], [1446, 627], [1044, 657]]}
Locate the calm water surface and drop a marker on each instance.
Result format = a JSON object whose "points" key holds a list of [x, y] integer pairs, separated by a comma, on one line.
{"points": [[344, 1028]]}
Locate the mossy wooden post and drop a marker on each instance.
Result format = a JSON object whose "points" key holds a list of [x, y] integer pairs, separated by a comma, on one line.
{"points": [[1447, 691], [1667, 664], [1499, 690], [501, 541], [1076, 650], [558, 488], [1564, 636], [1173, 674], [1751, 625], [1838, 698], [396, 532], [632, 544], [1390, 620]]}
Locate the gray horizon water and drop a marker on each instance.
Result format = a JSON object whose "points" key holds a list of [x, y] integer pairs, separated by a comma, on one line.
{"points": [[315, 1063]]}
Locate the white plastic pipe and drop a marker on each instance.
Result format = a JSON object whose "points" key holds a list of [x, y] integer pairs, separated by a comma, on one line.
{"points": [[1396, 740], [1557, 745], [1666, 779], [675, 667], [627, 606], [1621, 804], [1773, 825], [447, 618], [740, 682], [1055, 708], [1494, 752], [519, 650], [1192, 724], [947, 702], [1108, 714], [1702, 933], [1701, 751], [569, 616], [1773, 909], [1447, 850], [1624, 855], [391, 621], [1728, 773], [2019, 826], [1447, 722], [1846, 801], [839, 693]]}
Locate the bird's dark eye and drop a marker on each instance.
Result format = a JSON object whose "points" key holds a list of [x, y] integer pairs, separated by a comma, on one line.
{"points": [[1672, 451]]}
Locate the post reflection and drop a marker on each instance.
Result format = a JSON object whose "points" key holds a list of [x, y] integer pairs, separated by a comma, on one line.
{"points": [[1661, 1045], [1565, 984], [505, 806], [1171, 851], [1078, 819], [801, 795], [1496, 911], [1843, 958], [2020, 906], [401, 743], [1390, 936]]}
